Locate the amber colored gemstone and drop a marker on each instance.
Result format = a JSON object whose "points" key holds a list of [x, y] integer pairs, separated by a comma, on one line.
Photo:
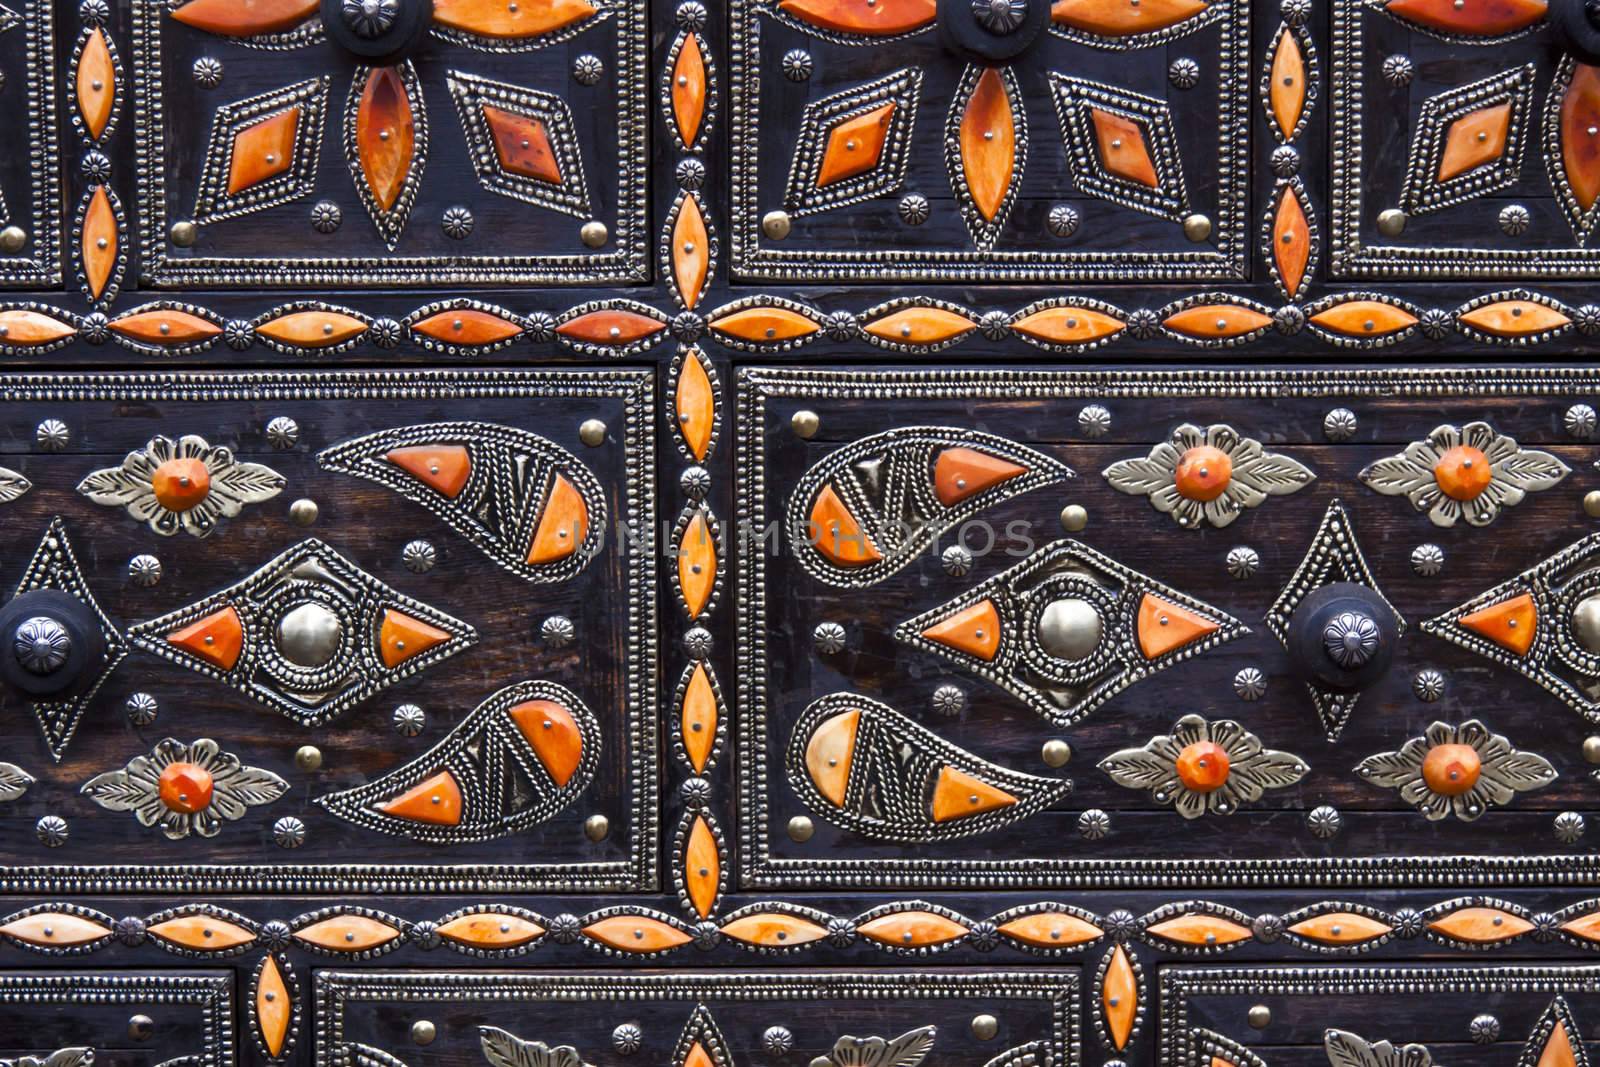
{"points": [[244, 18], [400, 637], [312, 329], [1220, 321], [911, 929], [1119, 998], [1051, 929], [987, 138], [1557, 1050], [26, 329], [1340, 928], [1164, 626], [836, 533], [554, 735], [696, 406], [829, 752], [882, 18], [491, 929], [443, 468], [1586, 927], [855, 145], [1068, 325], [1477, 18], [1474, 139], [385, 135], [1514, 318], [920, 326], [202, 932], [1482, 926], [957, 794], [960, 473], [1291, 241], [347, 933], [774, 929], [765, 324], [974, 630], [467, 326], [99, 242], [1203, 473], [1463, 472], [1364, 318], [1123, 152], [185, 787], [689, 89], [691, 251], [1451, 770], [97, 84], [702, 867], [505, 21], [1198, 928], [1123, 18], [1511, 624], [1287, 93], [697, 565], [697, 718], [273, 1007], [160, 327], [217, 638], [435, 800], [610, 327], [635, 933], [55, 929], [522, 145], [181, 484], [262, 150], [697, 1056], [563, 524], [1203, 766], [1580, 149]]}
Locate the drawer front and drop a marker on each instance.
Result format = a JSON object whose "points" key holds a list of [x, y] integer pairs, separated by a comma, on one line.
{"points": [[73, 1018]]}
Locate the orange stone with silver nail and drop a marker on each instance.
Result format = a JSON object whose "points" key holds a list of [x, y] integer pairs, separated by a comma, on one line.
{"points": [[1451, 770], [1203, 766], [181, 484], [1203, 473], [1463, 473], [185, 787]]}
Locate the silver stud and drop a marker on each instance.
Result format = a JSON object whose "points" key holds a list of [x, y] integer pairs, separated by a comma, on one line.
{"points": [[1259, 1016], [283, 433], [1094, 421], [52, 435], [303, 512], [1094, 824], [1196, 227], [144, 570], [1514, 220], [409, 720], [804, 424], [557, 631], [1428, 686], [596, 827], [592, 432], [829, 638], [51, 831], [1484, 1029], [1062, 221], [1391, 222], [1055, 752], [914, 209], [13, 239], [423, 1032], [777, 1040], [1579, 422], [1397, 70], [1324, 820], [627, 1039], [593, 233], [1568, 827], [1074, 518], [985, 1027], [949, 700], [776, 225], [207, 72], [800, 829], [1591, 749], [308, 757], [1427, 560], [587, 69], [796, 64], [326, 216], [141, 1027], [956, 560], [1250, 683], [1183, 73], [142, 709], [1243, 561], [419, 556], [1339, 424], [289, 832], [183, 233]]}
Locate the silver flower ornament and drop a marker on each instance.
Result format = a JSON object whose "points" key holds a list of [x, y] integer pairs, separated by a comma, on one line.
{"points": [[1462, 770], [1204, 766], [185, 788], [1470, 473], [182, 485], [1209, 475]]}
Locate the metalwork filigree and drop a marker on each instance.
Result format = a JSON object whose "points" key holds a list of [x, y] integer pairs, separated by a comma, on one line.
{"points": [[807, 193], [1219, 496], [1243, 770], [1079, 104], [185, 485], [295, 177], [221, 788], [1427, 187], [1467, 472], [552, 119], [504, 1049], [1457, 770]]}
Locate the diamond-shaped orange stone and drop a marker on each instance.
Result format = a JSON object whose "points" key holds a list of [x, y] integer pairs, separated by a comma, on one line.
{"points": [[855, 146], [1123, 152], [263, 150], [1476, 138], [522, 145]]}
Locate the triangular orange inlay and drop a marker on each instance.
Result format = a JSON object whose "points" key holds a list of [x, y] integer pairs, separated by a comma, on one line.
{"points": [[1511, 624], [402, 637], [435, 800], [698, 1057], [974, 630], [563, 526], [1557, 1051], [218, 638], [959, 473], [837, 534], [554, 735], [958, 794], [1164, 626], [443, 468]]}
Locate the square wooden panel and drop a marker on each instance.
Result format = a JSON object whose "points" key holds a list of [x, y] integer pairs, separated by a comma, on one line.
{"points": [[89, 1010]]}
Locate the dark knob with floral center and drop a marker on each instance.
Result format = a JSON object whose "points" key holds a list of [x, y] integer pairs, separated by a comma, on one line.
{"points": [[1343, 635], [50, 643]]}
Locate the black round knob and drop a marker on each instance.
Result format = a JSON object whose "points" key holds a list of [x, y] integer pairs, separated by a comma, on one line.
{"points": [[991, 31], [378, 32], [1577, 28], [50, 643], [1343, 635]]}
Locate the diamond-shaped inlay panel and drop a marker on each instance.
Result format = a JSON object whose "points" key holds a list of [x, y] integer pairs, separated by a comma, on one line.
{"points": [[1121, 146], [522, 143], [263, 151], [854, 144], [1469, 141]]}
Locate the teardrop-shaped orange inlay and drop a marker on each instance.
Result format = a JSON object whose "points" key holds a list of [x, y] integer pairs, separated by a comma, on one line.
{"points": [[262, 150], [273, 1008], [436, 800], [1051, 929], [691, 253], [506, 21], [1200, 929], [467, 326], [554, 735], [696, 404], [912, 929], [1209, 321], [1287, 93], [635, 933], [1164, 626], [97, 84], [1119, 998], [347, 933], [957, 794], [765, 324], [27, 329], [697, 565], [1123, 18], [1474, 139], [244, 18], [491, 929], [1580, 149], [1340, 928], [988, 139], [702, 867], [1511, 624], [689, 89], [837, 535], [522, 145], [829, 753], [697, 719], [202, 933], [217, 638], [960, 473], [1584, 926], [386, 135], [610, 327], [855, 146], [920, 326], [1557, 1050], [1291, 241], [401, 637], [55, 929], [882, 18], [974, 630], [563, 524], [164, 326], [1475, 18], [774, 929], [1364, 318], [1068, 325], [99, 242], [1514, 318], [442, 468], [1123, 152], [1481, 926], [312, 329]]}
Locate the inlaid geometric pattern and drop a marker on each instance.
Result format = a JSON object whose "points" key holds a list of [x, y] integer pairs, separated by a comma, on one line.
{"points": [[1121, 146], [1469, 141], [522, 143], [264, 150], [854, 145]]}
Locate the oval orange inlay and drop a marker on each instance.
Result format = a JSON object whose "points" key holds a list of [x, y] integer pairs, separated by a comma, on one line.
{"points": [[347, 933], [97, 84], [855, 145], [563, 525], [385, 135], [263, 150], [1068, 325], [1340, 928], [1474, 139], [54, 928], [1123, 151], [702, 867], [689, 89], [1123, 18], [491, 929], [1119, 998], [26, 329], [1291, 241], [99, 242], [691, 252], [988, 138], [1164, 626], [698, 718], [1584, 926], [401, 637], [273, 1009], [245, 18], [1288, 92], [610, 327], [1210, 321], [160, 327], [217, 638], [1203, 473], [435, 800], [312, 329], [829, 752], [442, 468], [960, 473], [203, 933], [1364, 318], [696, 406], [185, 787], [636, 933], [1514, 318], [496, 18], [1201, 929], [765, 324], [974, 630], [836, 533], [1051, 929], [1476, 18], [1511, 624], [467, 326], [554, 735], [697, 565], [522, 145], [774, 929], [912, 929], [1481, 926], [957, 794], [920, 326], [1580, 149], [881, 19]]}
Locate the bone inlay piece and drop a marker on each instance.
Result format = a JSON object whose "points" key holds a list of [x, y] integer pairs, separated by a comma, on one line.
{"points": [[1481, 926], [99, 242], [1474, 139], [1164, 626], [1123, 18], [702, 867], [696, 405], [1364, 318], [273, 1006], [26, 329], [960, 473], [401, 637], [1219, 321], [202, 933], [1068, 325], [881, 19], [1200, 929], [347, 933], [1340, 928], [97, 84], [689, 89], [1123, 151], [920, 326], [1476, 18], [698, 721], [563, 525], [1514, 318], [1511, 624], [765, 324], [467, 326], [828, 755], [506, 21], [1291, 241], [1580, 150], [957, 794], [385, 135], [1288, 90], [691, 255], [522, 145], [839, 537], [1119, 998], [435, 800], [855, 145], [554, 735], [54, 928], [636, 933], [217, 638], [974, 630], [312, 329], [163, 327], [988, 143], [1051, 929], [231, 18], [697, 565], [442, 468], [912, 929], [774, 929], [263, 150], [491, 929]]}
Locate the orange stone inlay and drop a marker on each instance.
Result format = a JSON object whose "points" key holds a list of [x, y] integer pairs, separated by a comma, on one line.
{"points": [[99, 242], [1482, 926], [960, 473], [912, 929], [1291, 241], [522, 145], [1584, 926], [1463, 472], [245, 18], [610, 327], [829, 752], [988, 137], [1051, 929], [1203, 766], [1164, 626], [442, 468], [957, 794], [1068, 325], [181, 484], [691, 252], [765, 324], [974, 630], [97, 84], [1203, 473], [467, 326], [312, 329], [1580, 149], [504, 21], [1201, 929], [56, 929], [273, 1007], [689, 89], [1476, 18], [636, 933], [1557, 1050], [696, 406], [1288, 84], [836, 533], [881, 19], [263, 150], [26, 329], [1474, 139], [1123, 152], [1119, 998], [218, 638], [697, 565], [1511, 624], [202, 932], [386, 135], [920, 326], [185, 787], [1364, 318], [1340, 928], [400, 637], [1217, 321], [162, 327], [697, 721], [347, 933], [855, 145], [436, 800], [1514, 318], [554, 735], [1123, 18], [774, 929], [563, 525], [491, 929], [698, 1057], [1451, 770], [702, 867]]}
